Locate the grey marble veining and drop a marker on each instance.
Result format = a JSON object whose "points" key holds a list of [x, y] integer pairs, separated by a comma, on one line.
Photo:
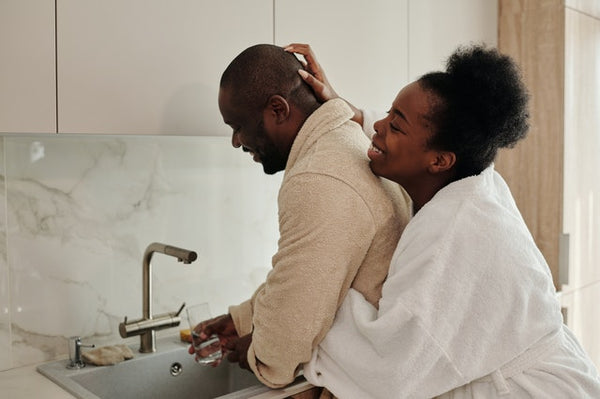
{"points": [[78, 211]]}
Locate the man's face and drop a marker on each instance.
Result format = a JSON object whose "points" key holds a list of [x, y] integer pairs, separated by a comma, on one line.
{"points": [[249, 133]]}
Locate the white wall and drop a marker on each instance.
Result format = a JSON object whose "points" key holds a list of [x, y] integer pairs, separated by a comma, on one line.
{"points": [[581, 216]]}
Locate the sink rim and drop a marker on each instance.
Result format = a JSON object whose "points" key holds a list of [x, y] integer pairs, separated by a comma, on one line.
{"points": [[57, 372]]}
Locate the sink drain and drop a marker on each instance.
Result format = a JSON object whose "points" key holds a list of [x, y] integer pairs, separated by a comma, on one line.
{"points": [[176, 369]]}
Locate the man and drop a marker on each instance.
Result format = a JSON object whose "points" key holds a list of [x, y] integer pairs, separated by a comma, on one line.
{"points": [[338, 223]]}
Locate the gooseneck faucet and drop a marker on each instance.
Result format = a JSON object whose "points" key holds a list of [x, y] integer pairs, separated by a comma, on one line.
{"points": [[147, 326]]}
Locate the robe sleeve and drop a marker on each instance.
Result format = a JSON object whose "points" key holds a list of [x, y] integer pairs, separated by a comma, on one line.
{"points": [[326, 229]]}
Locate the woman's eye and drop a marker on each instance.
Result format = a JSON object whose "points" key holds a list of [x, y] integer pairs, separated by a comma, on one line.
{"points": [[395, 128]]}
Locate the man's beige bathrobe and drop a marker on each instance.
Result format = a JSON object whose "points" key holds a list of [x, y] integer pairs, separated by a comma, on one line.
{"points": [[339, 225]]}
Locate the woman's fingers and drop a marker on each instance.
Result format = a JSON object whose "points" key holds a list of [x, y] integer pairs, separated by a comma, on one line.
{"points": [[311, 64]]}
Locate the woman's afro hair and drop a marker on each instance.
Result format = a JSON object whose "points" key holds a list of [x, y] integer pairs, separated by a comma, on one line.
{"points": [[481, 105]]}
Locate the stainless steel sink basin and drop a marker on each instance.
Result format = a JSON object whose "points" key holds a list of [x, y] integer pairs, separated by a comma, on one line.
{"points": [[168, 373]]}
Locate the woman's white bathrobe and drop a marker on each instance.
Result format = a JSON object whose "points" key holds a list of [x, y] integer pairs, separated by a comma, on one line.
{"points": [[468, 311]]}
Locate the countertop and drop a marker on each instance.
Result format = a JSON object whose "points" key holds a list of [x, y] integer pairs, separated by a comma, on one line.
{"points": [[26, 382]]}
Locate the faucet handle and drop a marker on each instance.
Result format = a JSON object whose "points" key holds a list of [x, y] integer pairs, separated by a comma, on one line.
{"points": [[77, 343], [180, 309]]}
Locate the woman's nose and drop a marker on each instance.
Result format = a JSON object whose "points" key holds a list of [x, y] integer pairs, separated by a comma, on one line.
{"points": [[378, 126]]}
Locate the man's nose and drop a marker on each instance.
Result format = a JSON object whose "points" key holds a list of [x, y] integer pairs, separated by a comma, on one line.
{"points": [[235, 140]]}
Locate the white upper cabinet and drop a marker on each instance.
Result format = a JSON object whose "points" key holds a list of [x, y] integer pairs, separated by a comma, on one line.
{"points": [[150, 66], [27, 84], [438, 27], [370, 50], [153, 66], [362, 45]]}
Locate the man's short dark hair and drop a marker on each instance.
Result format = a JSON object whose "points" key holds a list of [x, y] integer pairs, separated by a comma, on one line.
{"points": [[264, 70]]}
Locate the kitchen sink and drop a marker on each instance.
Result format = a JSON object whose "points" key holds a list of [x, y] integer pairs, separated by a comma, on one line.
{"points": [[170, 372]]}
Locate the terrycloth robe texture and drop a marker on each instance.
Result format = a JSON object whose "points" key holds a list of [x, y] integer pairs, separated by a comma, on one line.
{"points": [[338, 226], [468, 310]]}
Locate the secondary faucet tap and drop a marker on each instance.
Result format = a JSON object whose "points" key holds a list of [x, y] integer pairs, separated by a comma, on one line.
{"points": [[75, 360], [147, 326]]}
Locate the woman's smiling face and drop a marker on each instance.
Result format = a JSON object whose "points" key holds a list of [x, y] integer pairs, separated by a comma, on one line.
{"points": [[399, 150]]}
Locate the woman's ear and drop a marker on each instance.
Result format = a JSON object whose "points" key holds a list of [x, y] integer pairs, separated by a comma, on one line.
{"points": [[442, 162], [278, 108]]}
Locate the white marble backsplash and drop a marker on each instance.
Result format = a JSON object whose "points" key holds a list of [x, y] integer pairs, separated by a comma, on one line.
{"points": [[77, 212]]}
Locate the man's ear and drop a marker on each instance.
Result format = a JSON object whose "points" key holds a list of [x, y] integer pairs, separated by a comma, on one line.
{"points": [[278, 108], [442, 161]]}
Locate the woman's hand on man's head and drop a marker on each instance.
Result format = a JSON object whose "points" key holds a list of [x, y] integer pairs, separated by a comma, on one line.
{"points": [[313, 74], [315, 77]]}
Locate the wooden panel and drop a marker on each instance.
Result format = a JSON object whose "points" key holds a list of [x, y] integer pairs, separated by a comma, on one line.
{"points": [[532, 32]]}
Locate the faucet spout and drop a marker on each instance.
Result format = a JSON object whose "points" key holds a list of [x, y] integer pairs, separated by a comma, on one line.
{"points": [[147, 326], [182, 255]]}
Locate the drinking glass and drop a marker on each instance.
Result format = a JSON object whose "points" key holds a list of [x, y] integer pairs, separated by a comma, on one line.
{"points": [[211, 348]]}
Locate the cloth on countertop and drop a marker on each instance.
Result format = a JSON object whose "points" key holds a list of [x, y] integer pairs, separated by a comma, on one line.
{"points": [[107, 355], [468, 310], [339, 225]]}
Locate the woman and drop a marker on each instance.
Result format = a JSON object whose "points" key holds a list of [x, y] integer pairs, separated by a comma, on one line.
{"points": [[469, 309]]}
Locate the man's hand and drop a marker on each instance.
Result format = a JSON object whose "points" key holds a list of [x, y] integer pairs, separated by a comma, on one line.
{"points": [[222, 326], [238, 351]]}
